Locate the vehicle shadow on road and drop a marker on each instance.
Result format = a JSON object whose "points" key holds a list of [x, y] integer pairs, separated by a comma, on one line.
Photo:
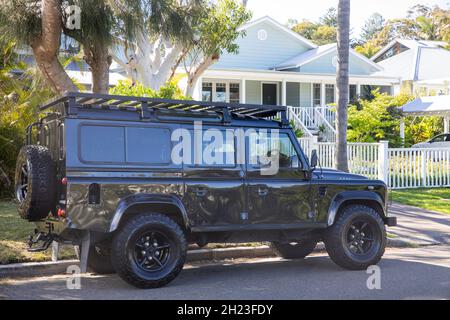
{"points": [[315, 277]]}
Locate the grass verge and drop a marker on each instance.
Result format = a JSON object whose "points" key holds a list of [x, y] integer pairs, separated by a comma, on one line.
{"points": [[13, 236], [434, 199]]}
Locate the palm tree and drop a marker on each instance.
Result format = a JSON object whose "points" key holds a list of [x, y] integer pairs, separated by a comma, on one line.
{"points": [[343, 46]]}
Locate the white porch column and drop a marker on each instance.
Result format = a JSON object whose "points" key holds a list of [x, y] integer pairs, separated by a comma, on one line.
{"points": [[447, 124], [402, 130], [322, 94], [197, 94], [243, 91], [358, 90], [283, 92]]}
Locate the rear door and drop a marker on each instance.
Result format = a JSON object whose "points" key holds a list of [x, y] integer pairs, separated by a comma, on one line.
{"points": [[214, 188]]}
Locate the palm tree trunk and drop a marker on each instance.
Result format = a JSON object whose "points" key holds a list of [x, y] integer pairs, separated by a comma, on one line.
{"points": [[343, 46], [46, 49]]}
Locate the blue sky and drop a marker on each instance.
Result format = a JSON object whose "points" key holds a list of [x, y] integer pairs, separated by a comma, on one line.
{"points": [[282, 10]]}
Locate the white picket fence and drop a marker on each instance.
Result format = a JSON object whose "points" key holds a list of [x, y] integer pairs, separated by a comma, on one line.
{"points": [[398, 167]]}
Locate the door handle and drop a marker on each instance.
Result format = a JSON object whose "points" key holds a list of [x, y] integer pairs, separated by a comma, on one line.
{"points": [[200, 192], [263, 192]]}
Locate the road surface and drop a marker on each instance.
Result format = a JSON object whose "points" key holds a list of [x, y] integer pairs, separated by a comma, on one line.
{"points": [[407, 273]]}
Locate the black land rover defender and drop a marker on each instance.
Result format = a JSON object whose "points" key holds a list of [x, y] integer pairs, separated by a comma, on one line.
{"points": [[104, 172]]}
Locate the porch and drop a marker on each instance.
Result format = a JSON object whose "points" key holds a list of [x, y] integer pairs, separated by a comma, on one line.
{"points": [[308, 96]]}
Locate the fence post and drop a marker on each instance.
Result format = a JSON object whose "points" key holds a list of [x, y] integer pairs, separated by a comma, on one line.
{"points": [[383, 161], [423, 168], [55, 251]]}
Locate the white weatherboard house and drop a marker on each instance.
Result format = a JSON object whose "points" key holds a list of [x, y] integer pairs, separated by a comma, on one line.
{"points": [[275, 65], [423, 66]]}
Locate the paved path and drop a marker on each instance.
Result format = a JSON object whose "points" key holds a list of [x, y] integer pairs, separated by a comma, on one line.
{"points": [[420, 226], [407, 273]]}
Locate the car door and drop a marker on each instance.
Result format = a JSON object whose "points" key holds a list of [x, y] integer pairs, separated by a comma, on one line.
{"points": [[214, 190], [283, 196]]}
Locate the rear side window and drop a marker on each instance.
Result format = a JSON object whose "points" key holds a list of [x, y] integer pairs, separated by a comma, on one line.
{"points": [[125, 145]]}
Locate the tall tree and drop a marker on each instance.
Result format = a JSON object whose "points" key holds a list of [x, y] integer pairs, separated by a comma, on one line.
{"points": [[38, 24], [372, 26], [343, 47], [201, 31], [329, 18], [159, 42], [217, 32]]}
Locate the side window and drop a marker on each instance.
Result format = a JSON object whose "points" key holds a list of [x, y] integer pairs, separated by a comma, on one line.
{"points": [[217, 149], [278, 146], [439, 138], [102, 144], [125, 145]]}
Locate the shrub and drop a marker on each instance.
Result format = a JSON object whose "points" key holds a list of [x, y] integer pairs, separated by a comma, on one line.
{"points": [[379, 119], [127, 88]]}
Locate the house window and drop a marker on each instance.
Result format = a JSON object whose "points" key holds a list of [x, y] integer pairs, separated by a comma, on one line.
{"points": [[352, 93], [329, 93], [234, 93], [221, 92], [207, 91], [316, 94]]}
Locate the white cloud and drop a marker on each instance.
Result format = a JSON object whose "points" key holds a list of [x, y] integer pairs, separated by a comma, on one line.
{"points": [[282, 10]]}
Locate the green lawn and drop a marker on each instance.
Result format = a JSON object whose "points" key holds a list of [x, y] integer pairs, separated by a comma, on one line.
{"points": [[13, 236], [435, 199]]}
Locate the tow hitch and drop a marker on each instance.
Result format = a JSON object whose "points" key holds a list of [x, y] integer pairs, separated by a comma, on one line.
{"points": [[45, 238]]}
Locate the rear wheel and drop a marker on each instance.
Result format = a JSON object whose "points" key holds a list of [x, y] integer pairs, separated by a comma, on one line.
{"points": [[294, 250], [357, 239], [149, 251]]}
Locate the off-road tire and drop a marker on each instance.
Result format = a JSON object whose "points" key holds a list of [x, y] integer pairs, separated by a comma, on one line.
{"points": [[336, 238], [40, 196], [123, 254], [297, 250], [99, 260]]}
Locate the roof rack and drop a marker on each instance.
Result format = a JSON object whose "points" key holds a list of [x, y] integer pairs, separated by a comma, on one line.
{"points": [[146, 106]]}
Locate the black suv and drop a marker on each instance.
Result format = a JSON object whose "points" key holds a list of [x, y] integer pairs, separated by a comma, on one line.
{"points": [[134, 180]]}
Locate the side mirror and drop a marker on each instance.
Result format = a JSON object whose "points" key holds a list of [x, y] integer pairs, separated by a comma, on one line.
{"points": [[314, 159]]}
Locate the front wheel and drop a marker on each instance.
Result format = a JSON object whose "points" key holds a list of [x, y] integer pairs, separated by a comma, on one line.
{"points": [[149, 251], [357, 239]]}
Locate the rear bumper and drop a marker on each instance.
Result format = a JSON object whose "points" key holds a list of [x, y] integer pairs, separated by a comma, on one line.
{"points": [[390, 221]]}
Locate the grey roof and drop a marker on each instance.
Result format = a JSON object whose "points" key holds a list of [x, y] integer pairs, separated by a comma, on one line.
{"points": [[411, 44], [305, 57], [420, 63]]}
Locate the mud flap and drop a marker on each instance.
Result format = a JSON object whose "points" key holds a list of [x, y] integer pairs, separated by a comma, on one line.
{"points": [[84, 254]]}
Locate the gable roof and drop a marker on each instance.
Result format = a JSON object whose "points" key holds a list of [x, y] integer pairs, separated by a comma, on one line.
{"points": [[419, 63], [278, 25], [318, 52], [411, 44]]}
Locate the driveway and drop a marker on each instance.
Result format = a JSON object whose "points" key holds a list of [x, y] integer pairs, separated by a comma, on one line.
{"points": [[407, 273], [419, 226]]}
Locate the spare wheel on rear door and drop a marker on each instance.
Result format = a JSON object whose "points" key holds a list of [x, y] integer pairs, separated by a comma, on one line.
{"points": [[35, 182]]}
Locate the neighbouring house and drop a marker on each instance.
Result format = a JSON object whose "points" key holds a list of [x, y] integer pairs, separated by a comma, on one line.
{"points": [[422, 66], [275, 65]]}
